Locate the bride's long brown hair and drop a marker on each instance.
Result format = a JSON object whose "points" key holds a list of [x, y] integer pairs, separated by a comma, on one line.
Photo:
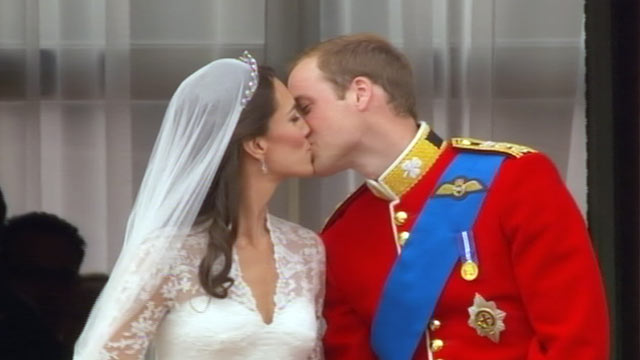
{"points": [[221, 205]]}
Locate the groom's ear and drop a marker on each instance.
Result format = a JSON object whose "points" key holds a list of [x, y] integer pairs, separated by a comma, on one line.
{"points": [[361, 91], [256, 147]]}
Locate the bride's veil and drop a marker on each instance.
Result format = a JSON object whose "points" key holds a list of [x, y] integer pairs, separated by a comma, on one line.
{"points": [[195, 132]]}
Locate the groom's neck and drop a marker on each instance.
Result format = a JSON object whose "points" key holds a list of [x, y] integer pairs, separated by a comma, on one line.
{"points": [[384, 141]]}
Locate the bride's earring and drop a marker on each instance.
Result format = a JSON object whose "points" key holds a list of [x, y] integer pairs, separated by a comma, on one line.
{"points": [[263, 167]]}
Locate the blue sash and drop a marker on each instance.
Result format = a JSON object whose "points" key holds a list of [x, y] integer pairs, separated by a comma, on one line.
{"points": [[422, 269]]}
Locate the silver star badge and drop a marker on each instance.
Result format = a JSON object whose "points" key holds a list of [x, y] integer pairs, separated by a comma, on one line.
{"points": [[486, 318]]}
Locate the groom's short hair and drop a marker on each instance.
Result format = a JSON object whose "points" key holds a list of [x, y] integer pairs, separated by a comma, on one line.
{"points": [[343, 58]]}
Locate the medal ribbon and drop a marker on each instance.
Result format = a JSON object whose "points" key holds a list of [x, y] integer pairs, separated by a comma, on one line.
{"points": [[467, 247]]}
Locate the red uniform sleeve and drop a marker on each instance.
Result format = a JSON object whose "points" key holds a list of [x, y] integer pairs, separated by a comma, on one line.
{"points": [[554, 263], [346, 336]]}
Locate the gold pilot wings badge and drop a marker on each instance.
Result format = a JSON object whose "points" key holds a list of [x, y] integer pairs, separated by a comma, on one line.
{"points": [[460, 187]]}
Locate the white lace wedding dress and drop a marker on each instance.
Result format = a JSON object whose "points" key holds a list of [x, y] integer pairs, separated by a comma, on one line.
{"points": [[182, 322]]}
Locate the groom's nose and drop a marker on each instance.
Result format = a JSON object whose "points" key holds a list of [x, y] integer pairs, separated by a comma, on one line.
{"points": [[307, 130]]}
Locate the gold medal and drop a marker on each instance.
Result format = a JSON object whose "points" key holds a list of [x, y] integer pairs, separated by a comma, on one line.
{"points": [[469, 270]]}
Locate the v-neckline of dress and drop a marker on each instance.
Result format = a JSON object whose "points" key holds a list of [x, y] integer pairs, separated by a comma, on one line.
{"points": [[248, 290]]}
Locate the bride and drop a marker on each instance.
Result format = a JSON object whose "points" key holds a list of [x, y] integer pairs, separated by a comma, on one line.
{"points": [[205, 272]]}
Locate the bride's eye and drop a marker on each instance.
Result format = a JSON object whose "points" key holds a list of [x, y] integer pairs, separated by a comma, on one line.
{"points": [[296, 117]]}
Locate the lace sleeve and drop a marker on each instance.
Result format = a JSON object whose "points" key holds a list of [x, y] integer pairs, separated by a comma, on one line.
{"points": [[139, 294], [132, 339], [318, 276]]}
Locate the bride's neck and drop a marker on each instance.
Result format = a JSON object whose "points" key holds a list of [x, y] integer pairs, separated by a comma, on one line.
{"points": [[256, 189]]}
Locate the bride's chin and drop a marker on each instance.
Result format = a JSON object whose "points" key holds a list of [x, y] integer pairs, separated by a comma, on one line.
{"points": [[312, 172], [308, 172], [298, 172]]}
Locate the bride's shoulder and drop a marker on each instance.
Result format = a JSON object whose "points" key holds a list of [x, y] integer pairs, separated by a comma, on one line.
{"points": [[176, 240]]}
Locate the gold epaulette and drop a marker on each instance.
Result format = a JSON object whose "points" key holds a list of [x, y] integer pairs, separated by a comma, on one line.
{"points": [[481, 145]]}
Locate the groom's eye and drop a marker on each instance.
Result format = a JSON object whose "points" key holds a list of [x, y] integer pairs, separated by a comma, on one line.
{"points": [[304, 109]]}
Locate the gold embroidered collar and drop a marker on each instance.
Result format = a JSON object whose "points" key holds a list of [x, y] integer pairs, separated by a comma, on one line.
{"points": [[410, 166]]}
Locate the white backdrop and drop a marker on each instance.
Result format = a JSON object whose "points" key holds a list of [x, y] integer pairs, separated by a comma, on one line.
{"points": [[84, 84]]}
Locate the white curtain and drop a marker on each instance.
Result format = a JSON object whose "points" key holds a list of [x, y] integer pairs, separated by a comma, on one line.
{"points": [[84, 84]]}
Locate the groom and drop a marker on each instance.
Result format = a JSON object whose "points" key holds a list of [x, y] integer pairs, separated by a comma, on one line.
{"points": [[458, 249]]}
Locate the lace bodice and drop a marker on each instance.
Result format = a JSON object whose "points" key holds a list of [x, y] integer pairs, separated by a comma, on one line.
{"points": [[185, 323]]}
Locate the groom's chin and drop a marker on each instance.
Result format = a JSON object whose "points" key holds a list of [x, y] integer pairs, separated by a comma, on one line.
{"points": [[322, 170]]}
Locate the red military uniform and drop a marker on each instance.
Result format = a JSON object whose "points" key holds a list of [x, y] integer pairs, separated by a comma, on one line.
{"points": [[534, 256]]}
